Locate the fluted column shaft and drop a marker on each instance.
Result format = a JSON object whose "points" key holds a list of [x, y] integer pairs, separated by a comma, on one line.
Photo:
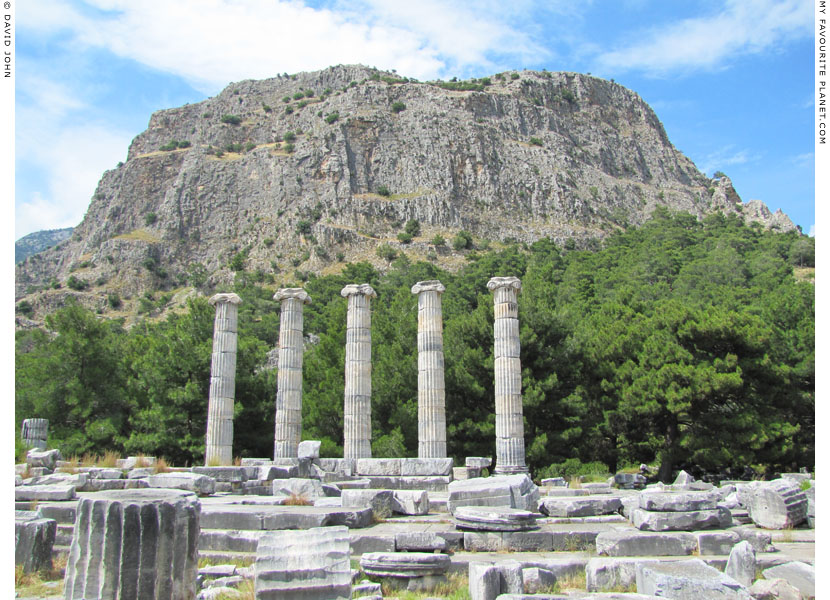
{"points": [[289, 421], [432, 420], [219, 438], [357, 405], [510, 443], [34, 432]]}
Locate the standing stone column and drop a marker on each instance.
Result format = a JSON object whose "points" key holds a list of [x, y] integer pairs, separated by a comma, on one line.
{"points": [[510, 442], [432, 419], [34, 432], [134, 544], [289, 421], [219, 441], [357, 408]]}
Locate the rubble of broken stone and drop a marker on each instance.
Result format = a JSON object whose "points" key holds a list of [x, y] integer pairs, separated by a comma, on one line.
{"points": [[413, 522]]}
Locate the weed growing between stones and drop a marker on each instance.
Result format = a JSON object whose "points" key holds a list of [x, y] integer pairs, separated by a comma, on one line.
{"points": [[456, 588], [297, 500], [46, 582], [244, 591], [70, 465], [141, 461], [238, 562], [109, 460], [161, 466]]}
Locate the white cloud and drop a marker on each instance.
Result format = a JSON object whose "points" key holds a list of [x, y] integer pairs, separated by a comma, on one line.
{"points": [[213, 42], [76, 157], [710, 42], [725, 157]]}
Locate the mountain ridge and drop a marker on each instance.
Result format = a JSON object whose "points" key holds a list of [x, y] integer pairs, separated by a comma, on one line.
{"points": [[301, 173]]}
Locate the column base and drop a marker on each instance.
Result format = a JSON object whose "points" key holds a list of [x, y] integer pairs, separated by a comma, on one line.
{"points": [[510, 470]]}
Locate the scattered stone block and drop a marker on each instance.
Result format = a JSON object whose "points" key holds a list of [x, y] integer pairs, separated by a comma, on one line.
{"points": [[414, 571], [134, 544], [510, 572], [642, 543], [774, 589], [307, 564], [678, 501], [385, 467], [683, 478], [758, 539], [598, 488], [681, 521], [76, 479], [741, 563], [328, 501], [44, 492], [366, 588], [135, 462], [420, 541], [380, 501], [630, 481], [513, 491], [432, 483], [484, 581], [688, 580], [478, 518], [557, 492], [33, 540], [40, 471], [778, 504], [420, 467], [580, 506], [43, 458], [798, 574], [191, 482], [410, 502], [535, 579], [516, 541], [716, 542], [218, 571], [606, 573], [365, 543], [223, 474], [310, 489], [141, 472], [309, 449]]}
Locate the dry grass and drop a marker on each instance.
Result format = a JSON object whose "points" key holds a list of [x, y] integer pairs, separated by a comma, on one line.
{"points": [[209, 561], [109, 460], [71, 465], [161, 466], [237, 462], [297, 500], [456, 588], [89, 460], [214, 461], [139, 235], [572, 581], [575, 482], [38, 583], [141, 461]]}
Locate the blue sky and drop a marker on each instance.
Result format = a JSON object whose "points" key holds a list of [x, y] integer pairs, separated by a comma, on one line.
{"points": [[731, 80]]}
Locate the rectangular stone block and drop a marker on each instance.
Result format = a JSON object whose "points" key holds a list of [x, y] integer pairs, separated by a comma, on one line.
{"points": [[426, 466], [716, 542], [518, 541], [362, 543], [680, 521], [44, 492], [641, 543], [688, 580], [379, 466], [602, 574]]}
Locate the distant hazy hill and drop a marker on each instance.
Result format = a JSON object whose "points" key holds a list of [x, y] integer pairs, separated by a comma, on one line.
{"points": [[38, 241]]}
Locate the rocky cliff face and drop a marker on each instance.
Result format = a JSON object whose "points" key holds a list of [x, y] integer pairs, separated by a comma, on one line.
{"points": [[524, 155]]}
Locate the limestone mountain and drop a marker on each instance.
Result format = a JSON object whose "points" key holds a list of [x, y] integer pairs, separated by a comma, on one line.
{"points": [[301, 173], [39, 241]]}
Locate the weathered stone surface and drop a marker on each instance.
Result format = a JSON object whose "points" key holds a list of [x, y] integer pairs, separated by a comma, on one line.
{"points": [[404, 564], [630, 481], [380, 501], [605, 573], [555, 482], [777, 504], [509, 541], [34, 433], [312, 564], [798, 574], [33, 540], [100, 485], [357, 408], [678, 501], [480, 518], [43, 458], [716, 542], [688, 580], [134, 544], [378, 466], [774, 589], [642, 543], [683, 478], [536, 579], [420, 541], [681, 521], [363, 543], [758, 538], [514, 491], [191, 482], [309, 449], [425, 466], [510, 572], [410, 502], [224, 474], [741, 564], [76, 479], [44, 492], [283, 517], [310, 489], [484, 581], [580, 506], [366, 588]]}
